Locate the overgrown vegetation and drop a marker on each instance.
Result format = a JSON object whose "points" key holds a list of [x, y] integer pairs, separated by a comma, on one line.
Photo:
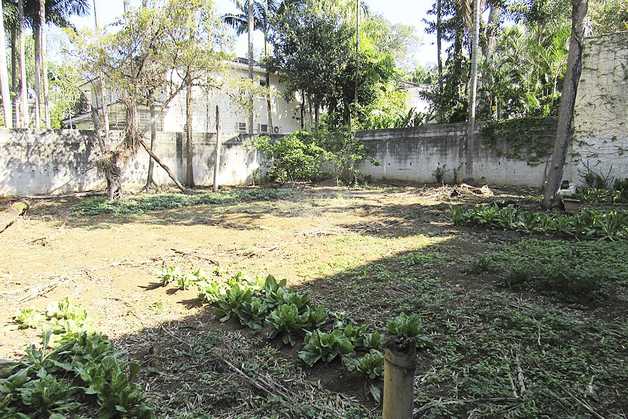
{"points": [[587, 224], [598, 190], [140, 204], [72, 372], [288, 315], [567, 269], [310, 156]]}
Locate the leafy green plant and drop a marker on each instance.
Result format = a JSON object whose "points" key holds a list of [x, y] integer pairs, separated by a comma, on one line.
{"points": [[47, 395], [321, 346], [407, 326], [111, 382], [28, 318], [80, 371], [236, 297], [287, 322], [371, 366]]}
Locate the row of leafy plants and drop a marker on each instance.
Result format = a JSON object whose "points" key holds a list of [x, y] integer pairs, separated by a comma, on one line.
{"points": [[586, 224], [616, 194], [288, 315], [73, 372]]}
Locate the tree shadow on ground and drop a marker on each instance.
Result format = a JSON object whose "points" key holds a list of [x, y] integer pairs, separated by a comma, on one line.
{"points": [[489, 351]]}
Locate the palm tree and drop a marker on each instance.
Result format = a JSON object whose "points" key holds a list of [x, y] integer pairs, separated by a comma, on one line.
{"points": [[473, 88], [260, 14], [28, 13], [4, 76]]}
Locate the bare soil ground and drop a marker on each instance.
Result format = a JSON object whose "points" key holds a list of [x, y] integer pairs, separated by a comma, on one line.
{"points": [[371, 253]]}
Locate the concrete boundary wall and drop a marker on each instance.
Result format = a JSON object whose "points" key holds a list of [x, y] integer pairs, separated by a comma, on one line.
{"points": [[62, 161], [418, 154]]}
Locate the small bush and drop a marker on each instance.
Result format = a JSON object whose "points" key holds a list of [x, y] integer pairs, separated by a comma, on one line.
{"points": [[294, 157]]}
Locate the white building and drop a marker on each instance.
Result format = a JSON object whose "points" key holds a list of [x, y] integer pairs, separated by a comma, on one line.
{"points": [[234, 116]]}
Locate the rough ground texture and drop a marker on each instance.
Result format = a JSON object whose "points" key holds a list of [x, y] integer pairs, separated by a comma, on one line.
{"points": [[371, 253]]}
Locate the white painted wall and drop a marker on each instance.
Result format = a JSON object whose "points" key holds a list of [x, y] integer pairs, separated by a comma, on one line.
{"points": [[601, 111]]}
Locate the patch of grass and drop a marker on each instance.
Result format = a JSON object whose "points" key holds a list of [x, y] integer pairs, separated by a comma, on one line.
{"points": [[570, 270], [140, 204]]}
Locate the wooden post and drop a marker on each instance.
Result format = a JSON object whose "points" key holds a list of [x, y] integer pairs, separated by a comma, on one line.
{"points": [[399, 366], [217, 159]]}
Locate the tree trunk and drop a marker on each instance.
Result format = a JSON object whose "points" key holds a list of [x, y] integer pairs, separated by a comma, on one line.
{"points": [[105, 106], [37, 77], [43, 65], [439, 45], [4, 77], [162, 164], [269, 107], [113, 175], [251, 28], [189, 152], [567, 102], [473, 86], [217, 157], [153, 136], [15, 101], [302, 109], [23, 95]]}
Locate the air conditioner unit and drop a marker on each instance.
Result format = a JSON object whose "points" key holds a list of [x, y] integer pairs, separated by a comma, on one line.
{"points": [[262, 128], [241, 126]]}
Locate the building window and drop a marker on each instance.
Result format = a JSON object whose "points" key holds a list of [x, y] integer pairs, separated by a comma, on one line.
{"points": [[263, 128], [241, 126]]}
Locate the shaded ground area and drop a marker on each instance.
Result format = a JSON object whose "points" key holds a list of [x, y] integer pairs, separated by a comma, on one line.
{"points": [[370, 253]]}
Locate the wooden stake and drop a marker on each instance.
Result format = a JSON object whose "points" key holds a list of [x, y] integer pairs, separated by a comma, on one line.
{"points": [[399, 366]]}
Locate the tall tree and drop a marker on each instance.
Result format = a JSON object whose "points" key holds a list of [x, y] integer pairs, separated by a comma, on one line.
{"points": [[439, 44], [473, 88], [21, 71], [564, 131], [262, 14], [4, 76], [251, 28]]}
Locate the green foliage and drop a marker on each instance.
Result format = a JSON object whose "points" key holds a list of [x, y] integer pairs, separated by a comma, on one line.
{"points": [[322, 346], [407, 326], [144, 203], [587, 224], [294, 157], [171, 274], [526, 138], [28, 318], [286, 322], [597, 190], [80, 372], [572, 271], [370, 366]]}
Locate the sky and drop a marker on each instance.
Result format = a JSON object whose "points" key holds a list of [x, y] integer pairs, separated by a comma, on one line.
{"points": [[410, 12]]}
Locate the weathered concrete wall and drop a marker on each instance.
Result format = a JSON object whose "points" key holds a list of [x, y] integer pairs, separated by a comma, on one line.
{"points": [[506, 156], [64, 161], [601, 112]]}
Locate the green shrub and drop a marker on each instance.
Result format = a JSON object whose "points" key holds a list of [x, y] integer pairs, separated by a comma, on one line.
{"points": [[287, 323], [293, 157]]}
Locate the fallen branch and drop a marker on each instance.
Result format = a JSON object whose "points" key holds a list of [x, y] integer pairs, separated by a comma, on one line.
{"points": [[43, 290], [9, 216], [163, 165], [68, 195]]}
